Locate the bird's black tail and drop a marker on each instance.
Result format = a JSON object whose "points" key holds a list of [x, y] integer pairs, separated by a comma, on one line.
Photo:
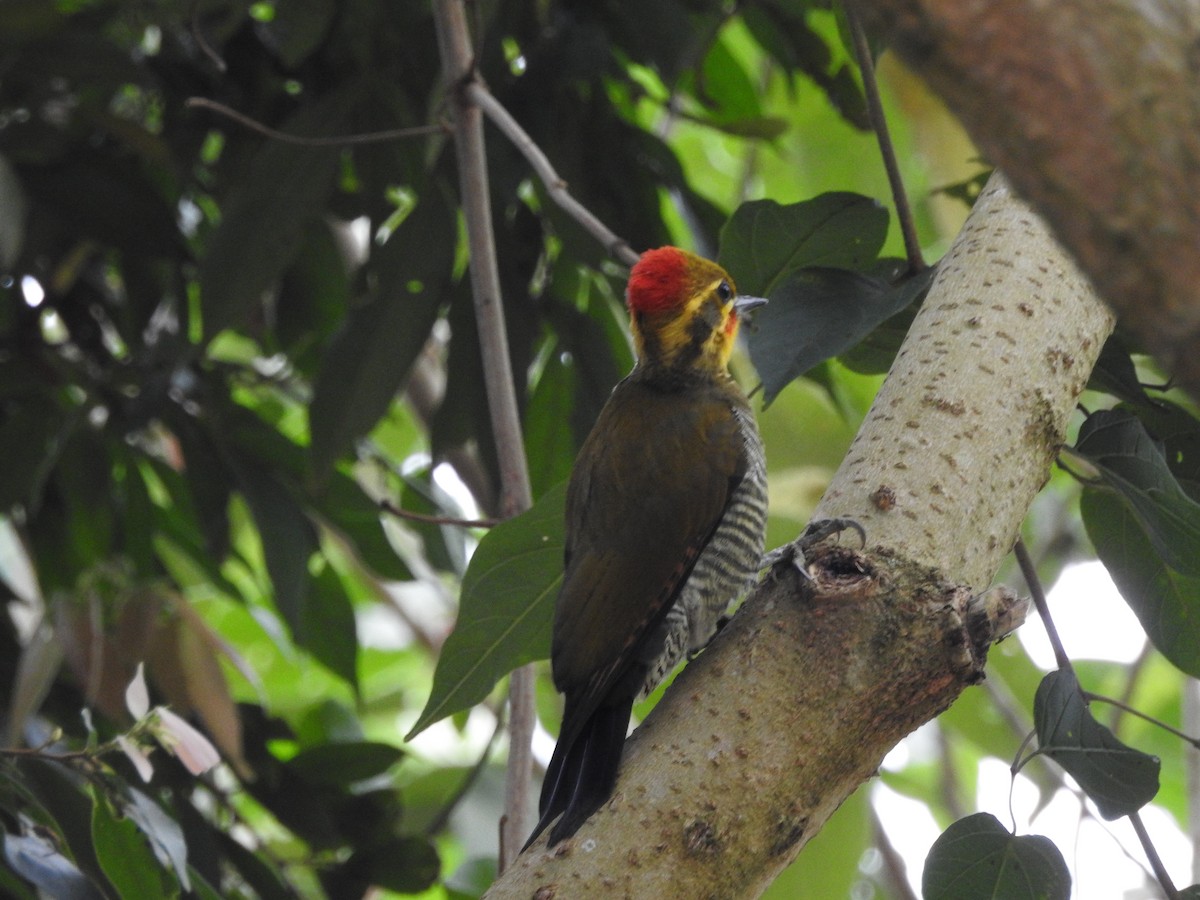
{"points": [[582, 771]]}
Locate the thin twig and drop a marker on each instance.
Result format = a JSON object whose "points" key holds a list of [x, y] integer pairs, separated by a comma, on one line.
{"points": [[904, 213], [555, 185], [454, 45], [1183, 736], [388, 507], [442, 817], [343, 140], [1156, 863], [1039, 600], [893, 862], [202, 42]]}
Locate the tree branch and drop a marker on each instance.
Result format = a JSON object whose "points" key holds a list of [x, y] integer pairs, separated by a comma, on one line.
{"points": [[556, 187], [1093, 109], [454, 44], [799, 698]]}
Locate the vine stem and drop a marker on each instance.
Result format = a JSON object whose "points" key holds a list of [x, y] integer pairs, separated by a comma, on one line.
{"points": [[1156, 863], [458, 62], [904, 213], [1029, 571]]}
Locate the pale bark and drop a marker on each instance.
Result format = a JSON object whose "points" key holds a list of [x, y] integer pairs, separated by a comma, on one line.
{"points": [[1092, 108], [801, 696]]}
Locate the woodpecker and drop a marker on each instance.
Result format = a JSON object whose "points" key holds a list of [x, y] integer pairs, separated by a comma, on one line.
{"points": [[665, 520]]}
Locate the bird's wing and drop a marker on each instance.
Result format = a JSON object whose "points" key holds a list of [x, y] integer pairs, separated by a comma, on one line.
{"points": [[639, 514]]}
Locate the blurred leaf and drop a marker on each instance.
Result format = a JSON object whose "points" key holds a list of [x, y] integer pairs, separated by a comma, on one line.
{"points": [[763, 242], [36, 859], [978, 857], [281, 191], [405, 865], [782, 29], [314, 294], [505, 609], [343, 764], [110, 201], [550, 444], [327, 627], [68, 808], [370, 357], [288, 540], [165, 835], [829, 865], [125, 856], [1165, 602], [818, 313], [1129, 460], [30, 440], [1117, 778], [298, 27]]}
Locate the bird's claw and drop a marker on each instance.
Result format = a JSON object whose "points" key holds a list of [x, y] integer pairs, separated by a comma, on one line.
{"points": [[793, 555], [822, 528]]}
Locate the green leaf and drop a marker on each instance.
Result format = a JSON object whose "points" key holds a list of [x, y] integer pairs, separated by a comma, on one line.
{"points": [[764, 242], [288, 540], [1165, 602], [1130, 461], [978, 857], [327, 627], [550, 444], [370, 357], [505, 609], [165, 835], [124, 855], [342, 764], [1118, 779], [818, 313]]}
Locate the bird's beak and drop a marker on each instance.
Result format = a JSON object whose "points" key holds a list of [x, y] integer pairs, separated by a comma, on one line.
{"points": [[745, 304]]}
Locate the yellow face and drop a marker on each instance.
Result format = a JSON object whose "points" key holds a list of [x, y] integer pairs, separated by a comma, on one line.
{"points": [[682, 312]]}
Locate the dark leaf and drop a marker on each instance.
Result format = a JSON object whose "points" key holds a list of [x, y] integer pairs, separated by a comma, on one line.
{"points": [[297, 29], [1165, 602], [505, 609], [1118, 779], [281, 192], [1115, 374], [763, 242], [818, 313], [288, 541], [327, 627], [342, 764], [370, 357], [1130, 461], [69, 808], [405, 865], [977, 857]]}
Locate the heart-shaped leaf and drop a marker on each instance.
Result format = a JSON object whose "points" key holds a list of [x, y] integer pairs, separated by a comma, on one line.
{"points": [[1129, 461], [978, 857], [1165, 602], [818, 313], [763, 242], [1118, 779]]}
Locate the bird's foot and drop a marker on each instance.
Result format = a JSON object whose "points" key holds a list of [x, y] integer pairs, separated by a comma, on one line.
{"points": [[792, 556]]}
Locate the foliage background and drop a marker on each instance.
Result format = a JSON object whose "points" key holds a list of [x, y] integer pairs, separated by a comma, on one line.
{"points": [[219, 352]]}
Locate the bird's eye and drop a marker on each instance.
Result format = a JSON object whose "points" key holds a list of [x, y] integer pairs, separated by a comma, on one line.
{"points": [[724, 291]]}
